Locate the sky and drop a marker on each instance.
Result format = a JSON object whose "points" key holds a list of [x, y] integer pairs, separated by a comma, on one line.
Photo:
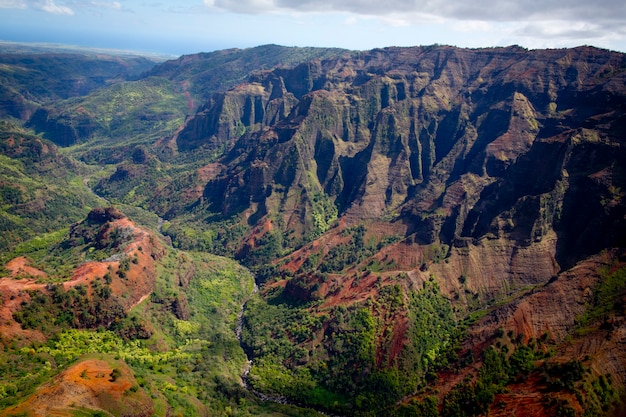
{"points": [[190, 26]]}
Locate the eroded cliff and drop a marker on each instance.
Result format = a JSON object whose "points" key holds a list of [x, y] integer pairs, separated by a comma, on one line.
{"points": [[492, 172]]}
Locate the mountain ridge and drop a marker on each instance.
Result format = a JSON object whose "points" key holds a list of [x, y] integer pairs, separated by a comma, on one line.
{"points": [[225, 135], [434, 230], [499, 165]]}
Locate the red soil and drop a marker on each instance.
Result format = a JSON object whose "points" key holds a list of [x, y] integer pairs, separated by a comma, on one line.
{"points": [[134, 288], [87, 384], [20, 267]]}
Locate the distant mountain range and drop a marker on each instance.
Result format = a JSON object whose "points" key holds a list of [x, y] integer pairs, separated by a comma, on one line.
{"points": [[433, 230]]}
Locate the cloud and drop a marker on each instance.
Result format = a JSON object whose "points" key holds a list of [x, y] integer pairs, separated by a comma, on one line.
{"points": [[504, 10], [115, 5], [547, 19], [45, 5], [51, 7], [12, 4], [94, 5], [248, 6], [559, 33], [66, 9], [557, 29]]}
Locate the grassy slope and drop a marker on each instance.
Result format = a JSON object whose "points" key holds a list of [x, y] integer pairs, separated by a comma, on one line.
{"points": [[189, 365], [30, 77], [41, 190]]}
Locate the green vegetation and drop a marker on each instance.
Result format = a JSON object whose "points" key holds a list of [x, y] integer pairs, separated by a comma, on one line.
{"points": [[340, 256], [433, 331], [21, 371], [214, 234], [41, 190], [267, 248], [351, 253], [60, 252], [473, 399], [597, 395], [66, 347], [344, 254], [511, 362], [324, 213], [205, 334], [607, 298], [62, 309], [343, 373], [31, 76], [256, 194], [140, 110], [181, 344]]}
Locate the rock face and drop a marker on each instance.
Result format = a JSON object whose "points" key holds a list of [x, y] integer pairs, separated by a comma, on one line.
{"points": [[499, 170], [60, 131], [392, 198], [460, 145]]}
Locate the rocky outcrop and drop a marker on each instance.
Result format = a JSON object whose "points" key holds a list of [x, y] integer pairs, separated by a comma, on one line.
{"points": [[133, 252], [225, 118], [499, 168], [458, 144], [127, 266]]}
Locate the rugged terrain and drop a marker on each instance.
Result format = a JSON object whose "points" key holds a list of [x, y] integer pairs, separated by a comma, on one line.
{"points": [[434, 230]]}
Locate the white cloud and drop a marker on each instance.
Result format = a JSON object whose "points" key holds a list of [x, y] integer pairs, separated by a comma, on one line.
{"points": [[94, 5], [115, 5], [248, 6], [530, 19], [12, 4], [67, 8], [503, 10], [51, 7], [46, 5], [559, 29]]}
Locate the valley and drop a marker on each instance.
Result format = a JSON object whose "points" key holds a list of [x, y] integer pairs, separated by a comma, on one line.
{"points": [[429, 231]]}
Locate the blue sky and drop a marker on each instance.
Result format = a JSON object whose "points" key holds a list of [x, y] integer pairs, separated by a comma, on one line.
{"points": [[189, 26]]}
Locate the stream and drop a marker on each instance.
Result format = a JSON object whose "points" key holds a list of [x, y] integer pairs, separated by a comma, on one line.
{"points": [[238, 330], [246, 370]]}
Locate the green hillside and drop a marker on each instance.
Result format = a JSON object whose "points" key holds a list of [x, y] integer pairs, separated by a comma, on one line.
{"points": [[294, 231], [30, 77], [41, 189]]}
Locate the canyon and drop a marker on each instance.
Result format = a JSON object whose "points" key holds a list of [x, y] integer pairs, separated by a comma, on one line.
{"points": [[418, 219]]}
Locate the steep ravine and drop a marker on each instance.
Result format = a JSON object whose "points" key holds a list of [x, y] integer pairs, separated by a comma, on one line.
{"points": [[238, 330], [246, 371]]}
